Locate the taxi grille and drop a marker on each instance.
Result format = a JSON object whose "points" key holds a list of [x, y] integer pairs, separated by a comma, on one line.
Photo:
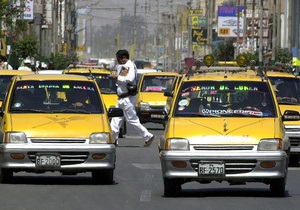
{"points": [[223, 147], [294, 141], [157, 108], [67, 158], [232, 166], [56, 141]]}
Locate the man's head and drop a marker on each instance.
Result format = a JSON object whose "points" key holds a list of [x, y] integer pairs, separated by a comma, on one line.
{"points": [[27, 62], [122, 56]]}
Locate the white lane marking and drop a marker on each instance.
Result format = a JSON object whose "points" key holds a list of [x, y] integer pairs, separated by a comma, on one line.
{"points": [[147, 165], [148, 177], [145, 195]]}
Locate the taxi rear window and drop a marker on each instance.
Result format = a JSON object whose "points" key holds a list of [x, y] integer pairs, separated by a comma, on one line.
{"points": [[157, 83], [224, 98]]}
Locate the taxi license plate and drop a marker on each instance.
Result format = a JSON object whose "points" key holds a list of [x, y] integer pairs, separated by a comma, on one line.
{"points": [[47, 160], [159, 116], [211, 168]]}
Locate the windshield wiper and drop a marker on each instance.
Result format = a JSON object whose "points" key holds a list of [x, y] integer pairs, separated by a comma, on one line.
{"points": [[72, 111], [31, 111]]}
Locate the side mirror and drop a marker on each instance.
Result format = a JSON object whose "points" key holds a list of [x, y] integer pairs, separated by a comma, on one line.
{"points": [[291, 115], [168, 93], [115, 112]]}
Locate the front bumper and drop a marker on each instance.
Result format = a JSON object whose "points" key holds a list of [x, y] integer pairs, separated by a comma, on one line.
{"points": [[74, 158], [293, 132], [156, 114], [239, 165]]}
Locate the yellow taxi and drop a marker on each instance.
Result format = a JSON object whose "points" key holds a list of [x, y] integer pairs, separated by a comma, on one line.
{"points": [[225, 126], [42, 131], [151, 103], [287, 89], [5, 78], [107, 86]]}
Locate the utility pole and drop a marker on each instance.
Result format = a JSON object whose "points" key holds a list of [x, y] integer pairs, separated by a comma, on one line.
{"points": [[134, 32], [274, 32], [157, 37], [260, 52], [278, 41], [238, 31], [252, 26]]}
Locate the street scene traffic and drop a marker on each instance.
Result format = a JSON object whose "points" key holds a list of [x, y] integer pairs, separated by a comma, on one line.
{"points": [[149, 104]]}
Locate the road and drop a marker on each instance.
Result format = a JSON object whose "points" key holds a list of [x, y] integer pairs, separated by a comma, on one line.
{"points": [[138, 185]]}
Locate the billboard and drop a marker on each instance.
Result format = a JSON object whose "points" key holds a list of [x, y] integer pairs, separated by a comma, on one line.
{"points": [[228, 21]]}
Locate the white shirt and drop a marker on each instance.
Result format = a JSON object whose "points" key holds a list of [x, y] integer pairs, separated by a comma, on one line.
{"points": [[24, 68], [129, 78]]}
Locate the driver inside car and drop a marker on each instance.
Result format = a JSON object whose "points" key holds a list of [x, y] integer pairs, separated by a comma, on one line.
{"points": [[258, 102], [283, 93]]}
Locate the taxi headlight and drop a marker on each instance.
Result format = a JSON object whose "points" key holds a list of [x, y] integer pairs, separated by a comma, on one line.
{"points": [[144, 106], [178, 144], [15, 138], [270, 145], [100, 138]]}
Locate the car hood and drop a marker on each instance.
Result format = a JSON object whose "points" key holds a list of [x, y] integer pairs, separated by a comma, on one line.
{"points": [[110, 99], [58, 125], [223, 131], [153, 98]]}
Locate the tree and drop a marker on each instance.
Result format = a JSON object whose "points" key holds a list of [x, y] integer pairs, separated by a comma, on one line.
{"points": [[225, 50], [27, 47]]}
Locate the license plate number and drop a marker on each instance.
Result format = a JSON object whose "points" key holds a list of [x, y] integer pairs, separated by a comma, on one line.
{"points": [[159, 116], [211, 168], [47, 160]]}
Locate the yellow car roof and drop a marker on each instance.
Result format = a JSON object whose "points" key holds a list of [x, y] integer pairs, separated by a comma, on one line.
{"points": [[15, 72], [86, 70], [164, 73], [54, 77], [221, 76], [280, 74]]}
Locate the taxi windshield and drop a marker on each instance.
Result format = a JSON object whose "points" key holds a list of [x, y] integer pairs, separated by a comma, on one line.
{"points": [[157, 83], [224, 98], [287, 90], [55, 97]]}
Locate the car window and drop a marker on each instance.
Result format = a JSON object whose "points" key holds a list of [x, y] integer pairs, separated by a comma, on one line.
{"points": [[55, 96], [157, 83], [224, 98], [287, 89], [4, 81], [106, 85]]}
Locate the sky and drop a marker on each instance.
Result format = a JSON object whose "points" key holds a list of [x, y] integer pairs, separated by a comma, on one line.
{"points": [[111, 16]]}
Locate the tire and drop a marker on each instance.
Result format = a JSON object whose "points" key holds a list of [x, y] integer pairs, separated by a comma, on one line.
{"points": [[277, 187], [105, 176], [6, 175], [172, 187], [123, 130], [294, 159]]}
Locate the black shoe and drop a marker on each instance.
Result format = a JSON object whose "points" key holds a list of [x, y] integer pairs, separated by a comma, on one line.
{"points": [[149, 142]]}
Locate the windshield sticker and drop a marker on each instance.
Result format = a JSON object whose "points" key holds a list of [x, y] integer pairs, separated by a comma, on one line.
{"points": [[183, 102], [245, 87], [154, 88], [25, 87], [226, 112], [48, 86], [181, 108]]}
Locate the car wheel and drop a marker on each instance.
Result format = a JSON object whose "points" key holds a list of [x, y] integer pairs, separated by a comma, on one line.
{"points": [[294, 159], [123, 130], [105, 176], [277, 187], [6, 175], [172, 187]]}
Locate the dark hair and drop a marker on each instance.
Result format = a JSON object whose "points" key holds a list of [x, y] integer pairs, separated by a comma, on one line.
{"points": [[122, 53]]}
